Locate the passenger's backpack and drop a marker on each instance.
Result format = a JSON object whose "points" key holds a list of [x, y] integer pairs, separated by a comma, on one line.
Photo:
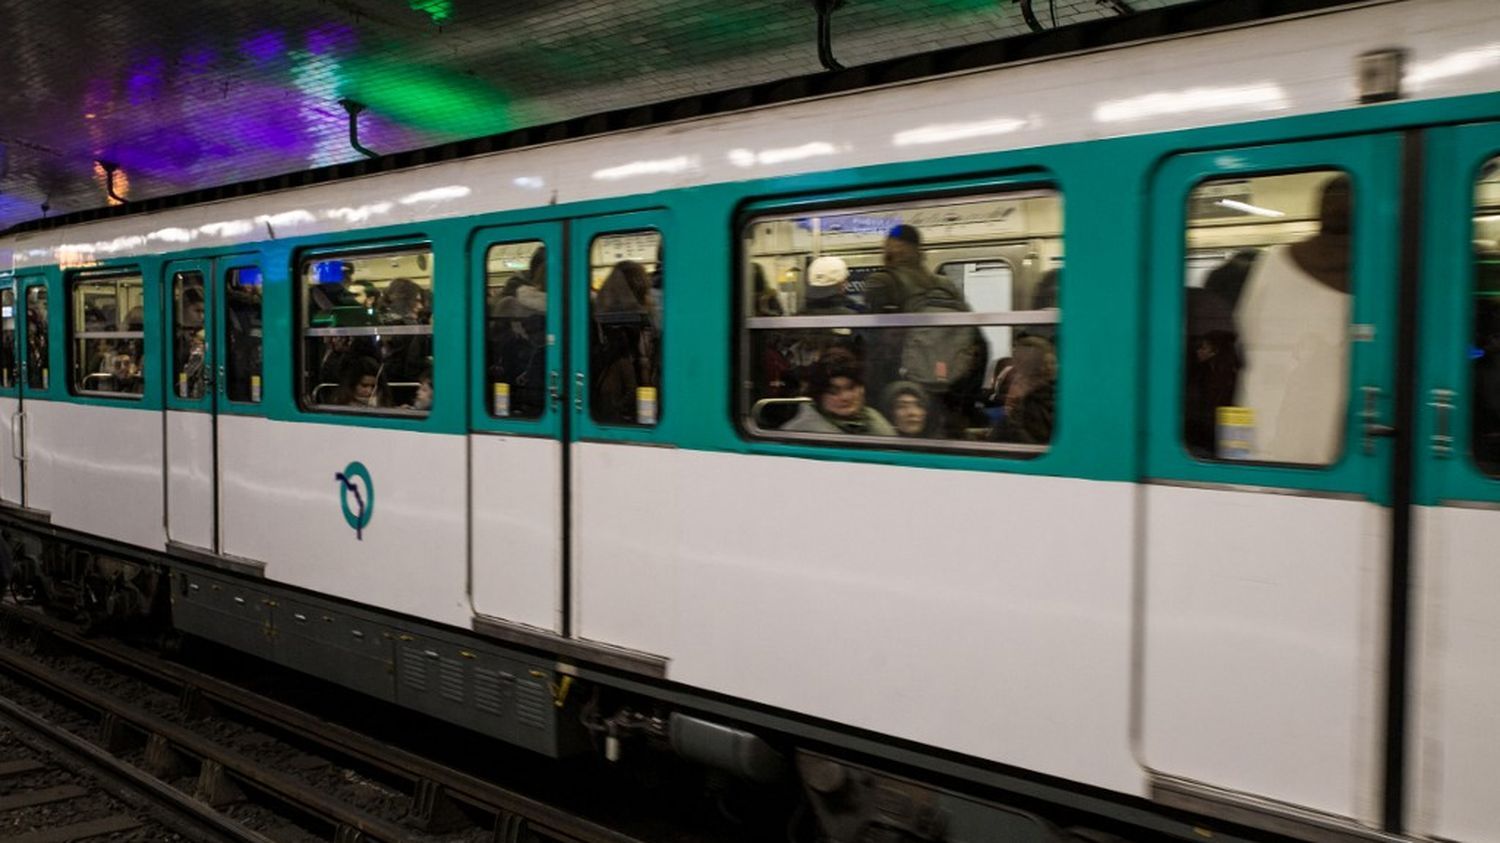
{"points": [[935, 357]]}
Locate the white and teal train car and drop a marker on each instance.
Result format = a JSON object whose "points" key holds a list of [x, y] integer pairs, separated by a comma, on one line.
{"points": [[1171, 606]]}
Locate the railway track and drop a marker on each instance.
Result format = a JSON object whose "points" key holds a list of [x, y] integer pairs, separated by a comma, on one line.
{"points": [[240, 752], [56, 787]]}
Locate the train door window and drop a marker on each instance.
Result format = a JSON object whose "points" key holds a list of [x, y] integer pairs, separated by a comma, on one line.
{"points": [[1266, 339], [108, 330], [367, 332], [8, 376], [515, 329], [1486, 349], [189, 342], [927, 323], [625, 327], [37, 374], [242, 334]]}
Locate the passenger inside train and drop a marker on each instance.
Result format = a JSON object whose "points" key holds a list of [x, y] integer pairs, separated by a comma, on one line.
{"points": [[367, 329], [1267, 330], [627, 288], [932, 261], [516, 329]]}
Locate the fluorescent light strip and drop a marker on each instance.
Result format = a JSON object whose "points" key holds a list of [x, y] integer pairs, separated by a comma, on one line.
{"points": [[1247, 208]]}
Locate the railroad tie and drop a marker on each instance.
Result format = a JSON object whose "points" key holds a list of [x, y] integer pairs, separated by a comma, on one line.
{"points": [[29, 798], [80, 831]]}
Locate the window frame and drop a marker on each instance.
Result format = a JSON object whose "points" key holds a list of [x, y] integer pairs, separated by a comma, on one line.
{"points": [[859, 201], [1337, 170], [300, 328], [44, 377], [222, 337], [71, 284], [588, 313], [485, 395]]}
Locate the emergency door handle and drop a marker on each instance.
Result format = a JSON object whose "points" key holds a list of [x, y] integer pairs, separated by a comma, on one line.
{"points": [[578, 391], [1370, 419], [1442, 421]]}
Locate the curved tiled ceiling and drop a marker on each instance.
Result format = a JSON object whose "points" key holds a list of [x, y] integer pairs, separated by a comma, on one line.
{"points": [[190, 95]]}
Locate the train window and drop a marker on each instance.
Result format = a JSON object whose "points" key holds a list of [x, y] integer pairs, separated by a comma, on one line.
{"points": [[515, 329], [108, 333], [931, 323], [37, 375], [625, 327], [242, 334], [8, 377], [367, 332], [189, 343], [1486, 350], [1266, 339]]}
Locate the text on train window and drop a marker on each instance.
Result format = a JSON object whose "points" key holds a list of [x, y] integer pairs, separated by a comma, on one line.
{"points": [[189, 343], [515, 330], [8, 374], [242, 334], [1266, 339], [1485, 352], [926, 323], [625, 327], [108, 331], [367, 332], [37, 374]]}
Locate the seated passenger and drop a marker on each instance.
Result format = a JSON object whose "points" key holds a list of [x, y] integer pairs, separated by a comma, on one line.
{"points": [[359, 384], [837, 387], [124, 376], [1031, 395], [423, 399], [909, 408]]}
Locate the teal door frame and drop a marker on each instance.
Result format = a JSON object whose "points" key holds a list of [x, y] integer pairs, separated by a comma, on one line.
{"points": [[175, 400], [1444, 446], [481, 415], [1373, 164], [582, 233]]}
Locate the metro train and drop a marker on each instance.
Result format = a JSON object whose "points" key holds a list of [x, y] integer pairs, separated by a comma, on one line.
{"points": [[1176, 518]]}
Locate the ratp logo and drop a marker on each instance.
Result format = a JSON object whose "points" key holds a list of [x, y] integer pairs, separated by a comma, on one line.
{"points": [[359, 505]]}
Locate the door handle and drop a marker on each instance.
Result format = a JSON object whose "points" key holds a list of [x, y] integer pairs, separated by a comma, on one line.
{"points": [[1442, 430], [578, 391], [554, 388], [1370, 419], [18, 436]]}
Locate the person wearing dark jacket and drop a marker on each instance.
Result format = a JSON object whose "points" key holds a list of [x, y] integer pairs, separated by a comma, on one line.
{"points": [[837, 388]]}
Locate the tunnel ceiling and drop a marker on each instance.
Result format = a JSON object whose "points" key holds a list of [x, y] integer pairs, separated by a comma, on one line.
{"points": [[185, 95]]}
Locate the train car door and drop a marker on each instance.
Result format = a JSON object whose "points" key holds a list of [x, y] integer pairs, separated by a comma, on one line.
{"points": [[190, 430], [12, 485], [1268, 496], [32, 350], [516, 450], [621, 406], [1455, 692]]}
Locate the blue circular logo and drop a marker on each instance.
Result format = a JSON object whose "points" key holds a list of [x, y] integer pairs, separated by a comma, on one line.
{"points": [[358, 504]]}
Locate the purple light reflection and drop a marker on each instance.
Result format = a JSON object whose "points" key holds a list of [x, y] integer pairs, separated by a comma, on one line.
{"points": [[331, 38], [264, 47]]}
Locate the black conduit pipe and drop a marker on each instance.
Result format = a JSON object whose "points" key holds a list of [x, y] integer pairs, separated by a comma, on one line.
{"points": [[825, 34], [1030, 16], [354, 108]]}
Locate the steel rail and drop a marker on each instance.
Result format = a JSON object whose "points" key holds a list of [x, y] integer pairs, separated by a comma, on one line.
{"points": [[120, 778], [335, 739], [183, 740]]}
